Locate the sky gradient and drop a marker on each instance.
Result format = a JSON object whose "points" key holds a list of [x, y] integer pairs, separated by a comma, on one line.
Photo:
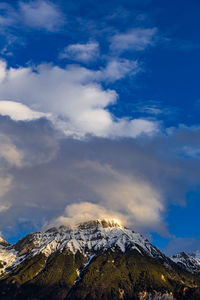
{"points": [[99, 117]]}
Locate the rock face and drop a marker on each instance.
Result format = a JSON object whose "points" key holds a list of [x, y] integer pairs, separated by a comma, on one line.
{"points": [[93, 260], [190, 262]]}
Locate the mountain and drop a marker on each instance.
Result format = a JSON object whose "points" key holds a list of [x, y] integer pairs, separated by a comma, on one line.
{"points": [[98, 259], [3, 242], [190, 262]]}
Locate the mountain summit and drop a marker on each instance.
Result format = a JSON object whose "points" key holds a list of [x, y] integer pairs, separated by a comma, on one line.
{"points": [[86, 238], [90, 237], [98, 259], [3, 242]]}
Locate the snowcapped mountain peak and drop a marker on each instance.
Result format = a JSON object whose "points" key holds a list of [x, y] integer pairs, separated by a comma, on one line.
{"points": [[3, 242], [92, 224], [88, 238], [96, 250], [190, 262], [104, 223]]}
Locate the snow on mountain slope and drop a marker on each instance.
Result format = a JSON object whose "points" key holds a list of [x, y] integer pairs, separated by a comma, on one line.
{"points": [[190, 262], [7, 258], [8, 255], [88, 238]]}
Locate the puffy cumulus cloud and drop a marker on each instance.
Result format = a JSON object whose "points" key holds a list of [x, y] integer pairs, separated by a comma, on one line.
{"points": [[134, 128], [81, 52], [141, 203], [81, 212], [19, 112], [73, 97], [136, 39]]}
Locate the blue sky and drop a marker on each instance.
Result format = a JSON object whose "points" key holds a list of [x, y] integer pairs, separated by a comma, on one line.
{"points": [[99, 113]]}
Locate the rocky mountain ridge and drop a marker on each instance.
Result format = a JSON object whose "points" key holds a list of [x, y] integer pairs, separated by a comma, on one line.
{"points": [[87, 238], [190, 262], [99, 259]]}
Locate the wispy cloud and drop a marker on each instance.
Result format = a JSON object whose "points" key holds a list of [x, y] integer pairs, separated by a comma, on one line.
{"points": [[155, 108], [176, 245], [8, 15], [190, 152], [37, 14], [136, 39], [118, 68], [81, 52], [5, 184], [41, 14], [180, 44]]}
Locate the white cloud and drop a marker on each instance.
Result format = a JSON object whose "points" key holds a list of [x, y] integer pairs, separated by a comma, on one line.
{"points": [[84, 211], [118, 68], [140, 202], [72, 95], [151, 109], [81, 52], [136, 39], [41, 14], [37, 14], [134, 202], [134, 128], [131, 180], [155, 108], [19, 112]]}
